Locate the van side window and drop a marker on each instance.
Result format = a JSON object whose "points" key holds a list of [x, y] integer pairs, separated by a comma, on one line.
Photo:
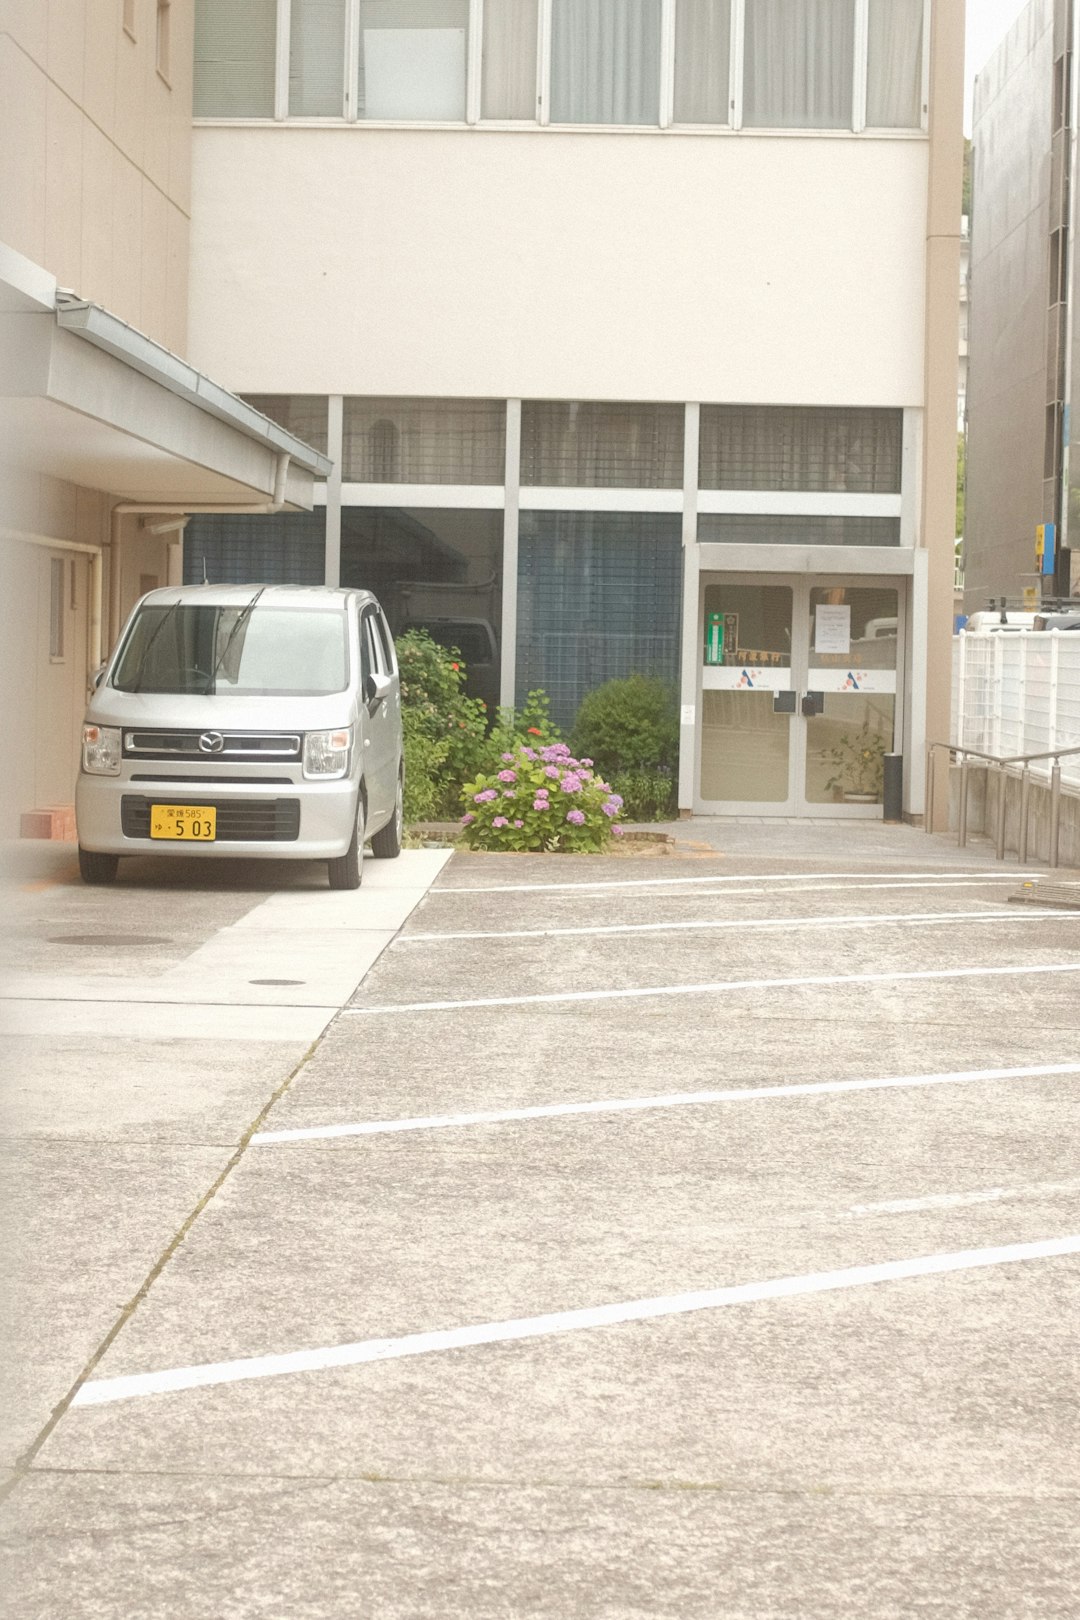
{"points": [[386, 643], [366, 666], [372, 650]]}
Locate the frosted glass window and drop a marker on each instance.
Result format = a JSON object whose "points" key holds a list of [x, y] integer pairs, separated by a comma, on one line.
{"points": [[894, 64], [424, 441], [605, 61], [509, 66], [799, 64], [234, 58], [412, 60], [317, 59], [593, 444], [702, 57], [857, 451]]}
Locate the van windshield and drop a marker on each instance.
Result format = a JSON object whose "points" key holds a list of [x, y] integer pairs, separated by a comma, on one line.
{"points": [[245, 650]]}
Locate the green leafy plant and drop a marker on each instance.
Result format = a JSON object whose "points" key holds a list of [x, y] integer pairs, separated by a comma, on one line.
{"points": [[531, 726], [444, 731], [630, 727], [540, 800], [857, 761]]}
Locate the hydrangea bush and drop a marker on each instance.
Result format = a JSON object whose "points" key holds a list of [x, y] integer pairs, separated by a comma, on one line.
{"points": [[540, 799], [444, 730]]}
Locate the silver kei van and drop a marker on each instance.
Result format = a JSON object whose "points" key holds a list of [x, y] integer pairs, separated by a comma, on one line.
{"points": [[241, 720]]}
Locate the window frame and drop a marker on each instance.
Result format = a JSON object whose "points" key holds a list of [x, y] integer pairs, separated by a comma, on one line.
{"points": [[127, 19], [665, 119], [58, 609], [163, 41]]}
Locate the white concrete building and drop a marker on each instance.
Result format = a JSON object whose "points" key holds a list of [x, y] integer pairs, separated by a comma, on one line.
{"points": [[617, 316], [616, 320]]}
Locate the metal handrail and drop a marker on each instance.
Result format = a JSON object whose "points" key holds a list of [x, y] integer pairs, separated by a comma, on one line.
{"points": [[1001, 760]]}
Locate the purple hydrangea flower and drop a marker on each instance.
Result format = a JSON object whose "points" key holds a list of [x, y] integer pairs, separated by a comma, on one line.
{"points": [[576, 817], [571, 783], [509, 758], [541, 804], [530, 753], [617, 830], [616, 800], [552, 771], [485, 797], [467, 817], [509, 793], [610, 809], [500, 821], [507, 776], [585, 762], [519, 824]]}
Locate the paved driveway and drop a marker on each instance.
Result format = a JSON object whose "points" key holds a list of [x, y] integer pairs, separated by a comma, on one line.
{"points": [[671, 1237]]}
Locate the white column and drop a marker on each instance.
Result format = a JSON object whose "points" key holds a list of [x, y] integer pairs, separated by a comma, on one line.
{"points": [[915, 775], [335, 415], [512, 480], [690, 665]]}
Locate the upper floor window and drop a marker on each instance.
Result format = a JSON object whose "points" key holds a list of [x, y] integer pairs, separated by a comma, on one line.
{"points": [[755, 64], [594, 444], [424, 441], [234, 58], [605, 61], [776, 447]]}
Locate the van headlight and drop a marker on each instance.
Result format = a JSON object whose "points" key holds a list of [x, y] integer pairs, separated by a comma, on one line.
{"points": [[101, 750], [326, 753]]}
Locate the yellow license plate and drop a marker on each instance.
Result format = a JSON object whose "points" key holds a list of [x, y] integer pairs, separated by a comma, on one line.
{"points": [[194, 823]]}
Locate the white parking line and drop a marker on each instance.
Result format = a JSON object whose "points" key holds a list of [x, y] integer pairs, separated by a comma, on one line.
{"points": [[100, 1391], [679, 1099], [991, 1195], [909, 919], [810, 981], [930, 880]]}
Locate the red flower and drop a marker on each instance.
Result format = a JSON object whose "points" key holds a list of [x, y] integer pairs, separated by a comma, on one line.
{"points": [[455, 666], [534, 731]]}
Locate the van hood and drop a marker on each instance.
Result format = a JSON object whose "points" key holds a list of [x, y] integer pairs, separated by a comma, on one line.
{"points": [[218, 711]]}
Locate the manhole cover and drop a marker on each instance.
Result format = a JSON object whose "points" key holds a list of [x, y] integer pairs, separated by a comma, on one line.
{"points": [[119, 940], [1062, 896], [276, 981]]}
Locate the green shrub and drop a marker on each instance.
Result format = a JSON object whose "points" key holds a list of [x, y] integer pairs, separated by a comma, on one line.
{"points": [[528, 727], [630, 727], [540, 800], [444, 731]]}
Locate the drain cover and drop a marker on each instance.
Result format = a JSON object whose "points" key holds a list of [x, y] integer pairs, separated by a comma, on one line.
{"points": [[1062, 896], [276, 981], [119, 940]]}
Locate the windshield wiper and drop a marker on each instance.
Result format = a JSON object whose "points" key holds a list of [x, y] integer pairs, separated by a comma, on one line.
{"points": [[241, 619], [136, 685]]}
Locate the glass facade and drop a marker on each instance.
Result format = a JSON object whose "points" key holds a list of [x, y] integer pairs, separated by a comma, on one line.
{"points": [[283, 548], [765, 530], [302, 414], [599, 596]]}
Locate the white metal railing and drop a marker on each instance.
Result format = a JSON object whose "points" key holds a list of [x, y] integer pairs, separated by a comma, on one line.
{"points": [[1018, 693]]}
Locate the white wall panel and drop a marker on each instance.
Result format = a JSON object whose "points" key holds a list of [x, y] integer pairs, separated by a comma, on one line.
{"points": [[557, 265]]}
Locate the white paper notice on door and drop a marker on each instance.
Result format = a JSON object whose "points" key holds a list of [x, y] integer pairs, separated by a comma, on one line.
{"points": [[832, 629]]}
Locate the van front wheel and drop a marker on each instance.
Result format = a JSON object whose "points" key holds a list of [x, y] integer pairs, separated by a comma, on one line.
{"points": [[346, 871], [96, 868], [386, 844]]}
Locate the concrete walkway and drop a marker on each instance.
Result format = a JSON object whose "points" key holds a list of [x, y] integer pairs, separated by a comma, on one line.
{"points": [[690, 1235]]}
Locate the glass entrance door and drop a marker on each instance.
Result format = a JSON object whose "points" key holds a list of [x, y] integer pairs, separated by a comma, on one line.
{"points": [[798, 694]]}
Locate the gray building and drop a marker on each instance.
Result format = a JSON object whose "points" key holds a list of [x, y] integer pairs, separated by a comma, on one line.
{"points": [[1023, 459]]}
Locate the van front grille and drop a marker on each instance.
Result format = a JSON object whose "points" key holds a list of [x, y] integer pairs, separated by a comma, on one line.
{"points": [[211, 744], [239, 821]]}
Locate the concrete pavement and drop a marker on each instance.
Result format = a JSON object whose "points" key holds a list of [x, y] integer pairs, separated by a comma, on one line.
{"points": [[882, 1058]]}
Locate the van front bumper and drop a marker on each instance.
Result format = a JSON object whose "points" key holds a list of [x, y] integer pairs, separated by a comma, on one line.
{"points": [[299, 821]]}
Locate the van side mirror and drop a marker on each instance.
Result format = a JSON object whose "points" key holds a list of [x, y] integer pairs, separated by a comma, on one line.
{"points": [[376, 688]]}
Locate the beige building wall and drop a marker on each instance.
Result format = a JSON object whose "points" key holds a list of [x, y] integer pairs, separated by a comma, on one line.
{"points": [[95, 147]]}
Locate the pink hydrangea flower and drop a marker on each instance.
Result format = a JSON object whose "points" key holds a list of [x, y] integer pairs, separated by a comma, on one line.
{"points": [[485, 797], [500, 821], [467, 817], [571, 783], [541, 804], [519, 824], [552, 771], [508, 758], [576, 817], [617, 830], [507, 776]]}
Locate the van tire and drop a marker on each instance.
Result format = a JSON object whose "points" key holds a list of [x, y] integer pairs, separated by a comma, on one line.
{"points": [[347, 871], [386, 843], [97, 868]]}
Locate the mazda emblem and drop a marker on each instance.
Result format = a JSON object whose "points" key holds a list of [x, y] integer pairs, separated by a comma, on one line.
{"points": [[211, 742]]}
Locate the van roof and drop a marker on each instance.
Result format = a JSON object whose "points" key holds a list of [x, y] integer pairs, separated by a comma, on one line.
{"points": [[325, 597]]}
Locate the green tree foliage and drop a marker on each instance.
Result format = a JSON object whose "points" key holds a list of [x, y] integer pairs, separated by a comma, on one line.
{"points": [[630, 728], [443, 730]]}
